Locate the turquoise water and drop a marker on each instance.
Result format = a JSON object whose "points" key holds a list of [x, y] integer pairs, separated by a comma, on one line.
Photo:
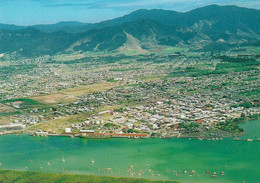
{"points": [[252, 129], [164, 157]]}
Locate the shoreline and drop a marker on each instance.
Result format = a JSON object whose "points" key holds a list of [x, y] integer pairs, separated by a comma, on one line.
{"points": [[235, 137], [134, 136]]}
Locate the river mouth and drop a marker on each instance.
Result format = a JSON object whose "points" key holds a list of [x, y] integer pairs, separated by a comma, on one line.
{"points": [[160, 159]]}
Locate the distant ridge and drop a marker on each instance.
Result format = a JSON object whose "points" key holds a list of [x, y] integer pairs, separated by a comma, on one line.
{"points": [[69, 26], [205, 28]]}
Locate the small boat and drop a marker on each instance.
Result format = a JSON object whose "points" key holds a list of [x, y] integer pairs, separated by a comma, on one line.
{"points": [[222, 173], [214, 176], [48, 164], [30, 161], [63, 160], [249, 140], [92, 161], [207, 172]]}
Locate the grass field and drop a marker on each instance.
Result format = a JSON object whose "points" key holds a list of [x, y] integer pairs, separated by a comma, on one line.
{"points": [[7, 176], [172, 50], [5, 109], [68, 57], [73, 94], [24, 103], [5, 120]]}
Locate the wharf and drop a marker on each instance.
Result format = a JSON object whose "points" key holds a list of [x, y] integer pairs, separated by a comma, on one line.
{"points": [[102, 135]]}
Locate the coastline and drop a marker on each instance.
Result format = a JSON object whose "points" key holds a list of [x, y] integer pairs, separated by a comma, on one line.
{"points": [[138, 136]]}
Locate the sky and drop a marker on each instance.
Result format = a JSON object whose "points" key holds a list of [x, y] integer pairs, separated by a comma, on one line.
{"points": [[31, 12]]}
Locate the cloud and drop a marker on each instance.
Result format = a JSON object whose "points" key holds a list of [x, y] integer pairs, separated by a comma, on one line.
{"points": [[48, 11], [137, 4], [179, 5]]}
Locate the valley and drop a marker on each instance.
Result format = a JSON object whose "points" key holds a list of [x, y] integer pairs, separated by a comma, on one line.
{"points": [[164, 94]]}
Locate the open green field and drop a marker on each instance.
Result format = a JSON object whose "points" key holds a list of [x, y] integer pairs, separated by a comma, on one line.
{"points": [[73, 94], [7, 176], [24, 103], [172, 50]]}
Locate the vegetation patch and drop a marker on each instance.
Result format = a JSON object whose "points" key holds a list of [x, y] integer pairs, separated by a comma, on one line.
{"points": [[7, 176], [22, 103], [126, 69], [73, 94]]}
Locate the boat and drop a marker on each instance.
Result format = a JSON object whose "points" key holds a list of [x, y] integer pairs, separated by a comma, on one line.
{"points": [[214, 176], [249, 140]]}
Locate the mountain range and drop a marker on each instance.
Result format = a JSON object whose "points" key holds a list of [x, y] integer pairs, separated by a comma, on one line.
{"points": [[203, 29]]}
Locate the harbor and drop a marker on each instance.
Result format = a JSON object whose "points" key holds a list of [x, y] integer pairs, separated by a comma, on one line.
{"points": [[185, 160], [158, 159]]}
